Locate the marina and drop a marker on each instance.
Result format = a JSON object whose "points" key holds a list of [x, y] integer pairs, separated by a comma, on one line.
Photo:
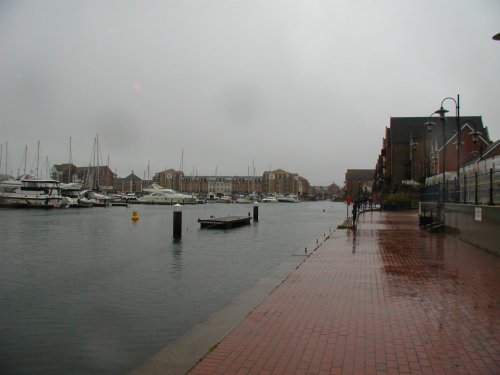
{"points": [[92, 291]]}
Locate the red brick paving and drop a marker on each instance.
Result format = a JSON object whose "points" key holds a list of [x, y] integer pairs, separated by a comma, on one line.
{"points": [[391, 299]]}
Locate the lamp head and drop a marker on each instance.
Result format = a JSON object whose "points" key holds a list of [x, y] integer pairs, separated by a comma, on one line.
{"points": [[441, 112], [429, 125], [475, 135]]}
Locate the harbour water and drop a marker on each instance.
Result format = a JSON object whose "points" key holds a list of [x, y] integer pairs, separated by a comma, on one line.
{"points": [[87, 291]]}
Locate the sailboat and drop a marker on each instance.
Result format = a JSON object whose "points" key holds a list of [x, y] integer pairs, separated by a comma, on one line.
{"points": [[251, 197], [72, 191], [92, 180]]}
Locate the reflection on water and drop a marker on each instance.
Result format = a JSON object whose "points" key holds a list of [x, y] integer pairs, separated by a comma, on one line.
{"points": [[90, 291], [176, 267]]}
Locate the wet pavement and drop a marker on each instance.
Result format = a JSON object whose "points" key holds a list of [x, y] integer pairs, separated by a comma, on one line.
{"points": [[388, 299]]}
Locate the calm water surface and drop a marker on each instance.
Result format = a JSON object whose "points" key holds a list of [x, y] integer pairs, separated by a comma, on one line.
{"points": [[88, 291]]}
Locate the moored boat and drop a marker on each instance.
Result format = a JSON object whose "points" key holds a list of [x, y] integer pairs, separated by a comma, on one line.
{"points": [[225, 199], [289, 199], [167, 196], [270, 199], [247, 199], [31, 192], [97, 199], [73, 195], [211, 198]]}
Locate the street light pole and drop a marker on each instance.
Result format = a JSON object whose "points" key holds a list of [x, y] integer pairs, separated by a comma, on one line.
{"points": [[413, 147], [441, 111], [429, 124]]}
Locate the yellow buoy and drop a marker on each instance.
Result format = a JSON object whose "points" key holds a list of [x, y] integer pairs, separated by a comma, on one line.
{"points": [[135, 216]]}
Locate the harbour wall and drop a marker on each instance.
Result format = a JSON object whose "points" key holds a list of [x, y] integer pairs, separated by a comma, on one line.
{"points": [[477, 225]]}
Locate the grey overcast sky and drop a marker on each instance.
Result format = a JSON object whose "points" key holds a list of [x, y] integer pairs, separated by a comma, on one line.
{"points": [[306, 86]]}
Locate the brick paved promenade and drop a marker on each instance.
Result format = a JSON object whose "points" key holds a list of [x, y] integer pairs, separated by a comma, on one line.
{"points": [[390, 300]]}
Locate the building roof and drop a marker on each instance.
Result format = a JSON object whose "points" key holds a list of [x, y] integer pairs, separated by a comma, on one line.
{"points": [[402, 128], [490, 151], [64, 167], [363, 174], [132, 176], [278, 171]]}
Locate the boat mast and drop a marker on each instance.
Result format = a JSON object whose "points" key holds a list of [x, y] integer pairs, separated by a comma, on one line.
{"points": [[192, 181], [1, 154], [107, 174], [70, 162], [37, 158], [253, 182], [25, 157], [97, 157], [181, 168]]}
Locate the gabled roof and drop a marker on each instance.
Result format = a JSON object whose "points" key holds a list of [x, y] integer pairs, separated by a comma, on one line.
{"points": [[363, 174], [133, 176], [402, 128], [465, 127], [490, 151], [278, 171], [64, 167]]}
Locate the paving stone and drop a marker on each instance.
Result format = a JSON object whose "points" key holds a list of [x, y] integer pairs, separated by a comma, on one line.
{"points": [[388, 298]]}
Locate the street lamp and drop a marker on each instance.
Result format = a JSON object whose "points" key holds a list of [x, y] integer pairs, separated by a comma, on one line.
{"points": [[475, 136], [430, 125], [359, 190], [441, 111], [413, 147]]}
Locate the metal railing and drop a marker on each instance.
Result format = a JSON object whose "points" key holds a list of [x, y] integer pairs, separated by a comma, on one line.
{"points": [[474, 188]]}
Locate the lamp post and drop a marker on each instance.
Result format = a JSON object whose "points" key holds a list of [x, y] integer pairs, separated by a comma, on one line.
{"points": [[359, 190], [430, 125], [441, 111], [413, 147]]}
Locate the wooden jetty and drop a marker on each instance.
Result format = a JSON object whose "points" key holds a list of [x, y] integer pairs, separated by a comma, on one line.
{"points": [[226, 222]]}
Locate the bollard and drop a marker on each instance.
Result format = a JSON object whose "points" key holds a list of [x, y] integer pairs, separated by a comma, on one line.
{"points": [[135, 216], [177, 221], [255, 211]]}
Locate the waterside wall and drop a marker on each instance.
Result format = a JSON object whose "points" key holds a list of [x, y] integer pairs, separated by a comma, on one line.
{"points": [[478, 225]]}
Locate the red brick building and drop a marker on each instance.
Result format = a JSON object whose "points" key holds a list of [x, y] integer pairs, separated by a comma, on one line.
{"points": [[411, 152]]}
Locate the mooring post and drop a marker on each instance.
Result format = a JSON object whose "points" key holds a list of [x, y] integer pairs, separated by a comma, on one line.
{"points": [[177, 221], [255, 211]]}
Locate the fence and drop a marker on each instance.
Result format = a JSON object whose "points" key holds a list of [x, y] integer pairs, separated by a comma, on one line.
{"points": [[474, 187]]}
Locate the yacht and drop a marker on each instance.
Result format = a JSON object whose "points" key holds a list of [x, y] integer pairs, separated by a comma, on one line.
{"points": [[225, 199], [97, 199], [289, 199], [167, 196], [250, 198], [31, 192], [270, 199], [73, 195]]}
